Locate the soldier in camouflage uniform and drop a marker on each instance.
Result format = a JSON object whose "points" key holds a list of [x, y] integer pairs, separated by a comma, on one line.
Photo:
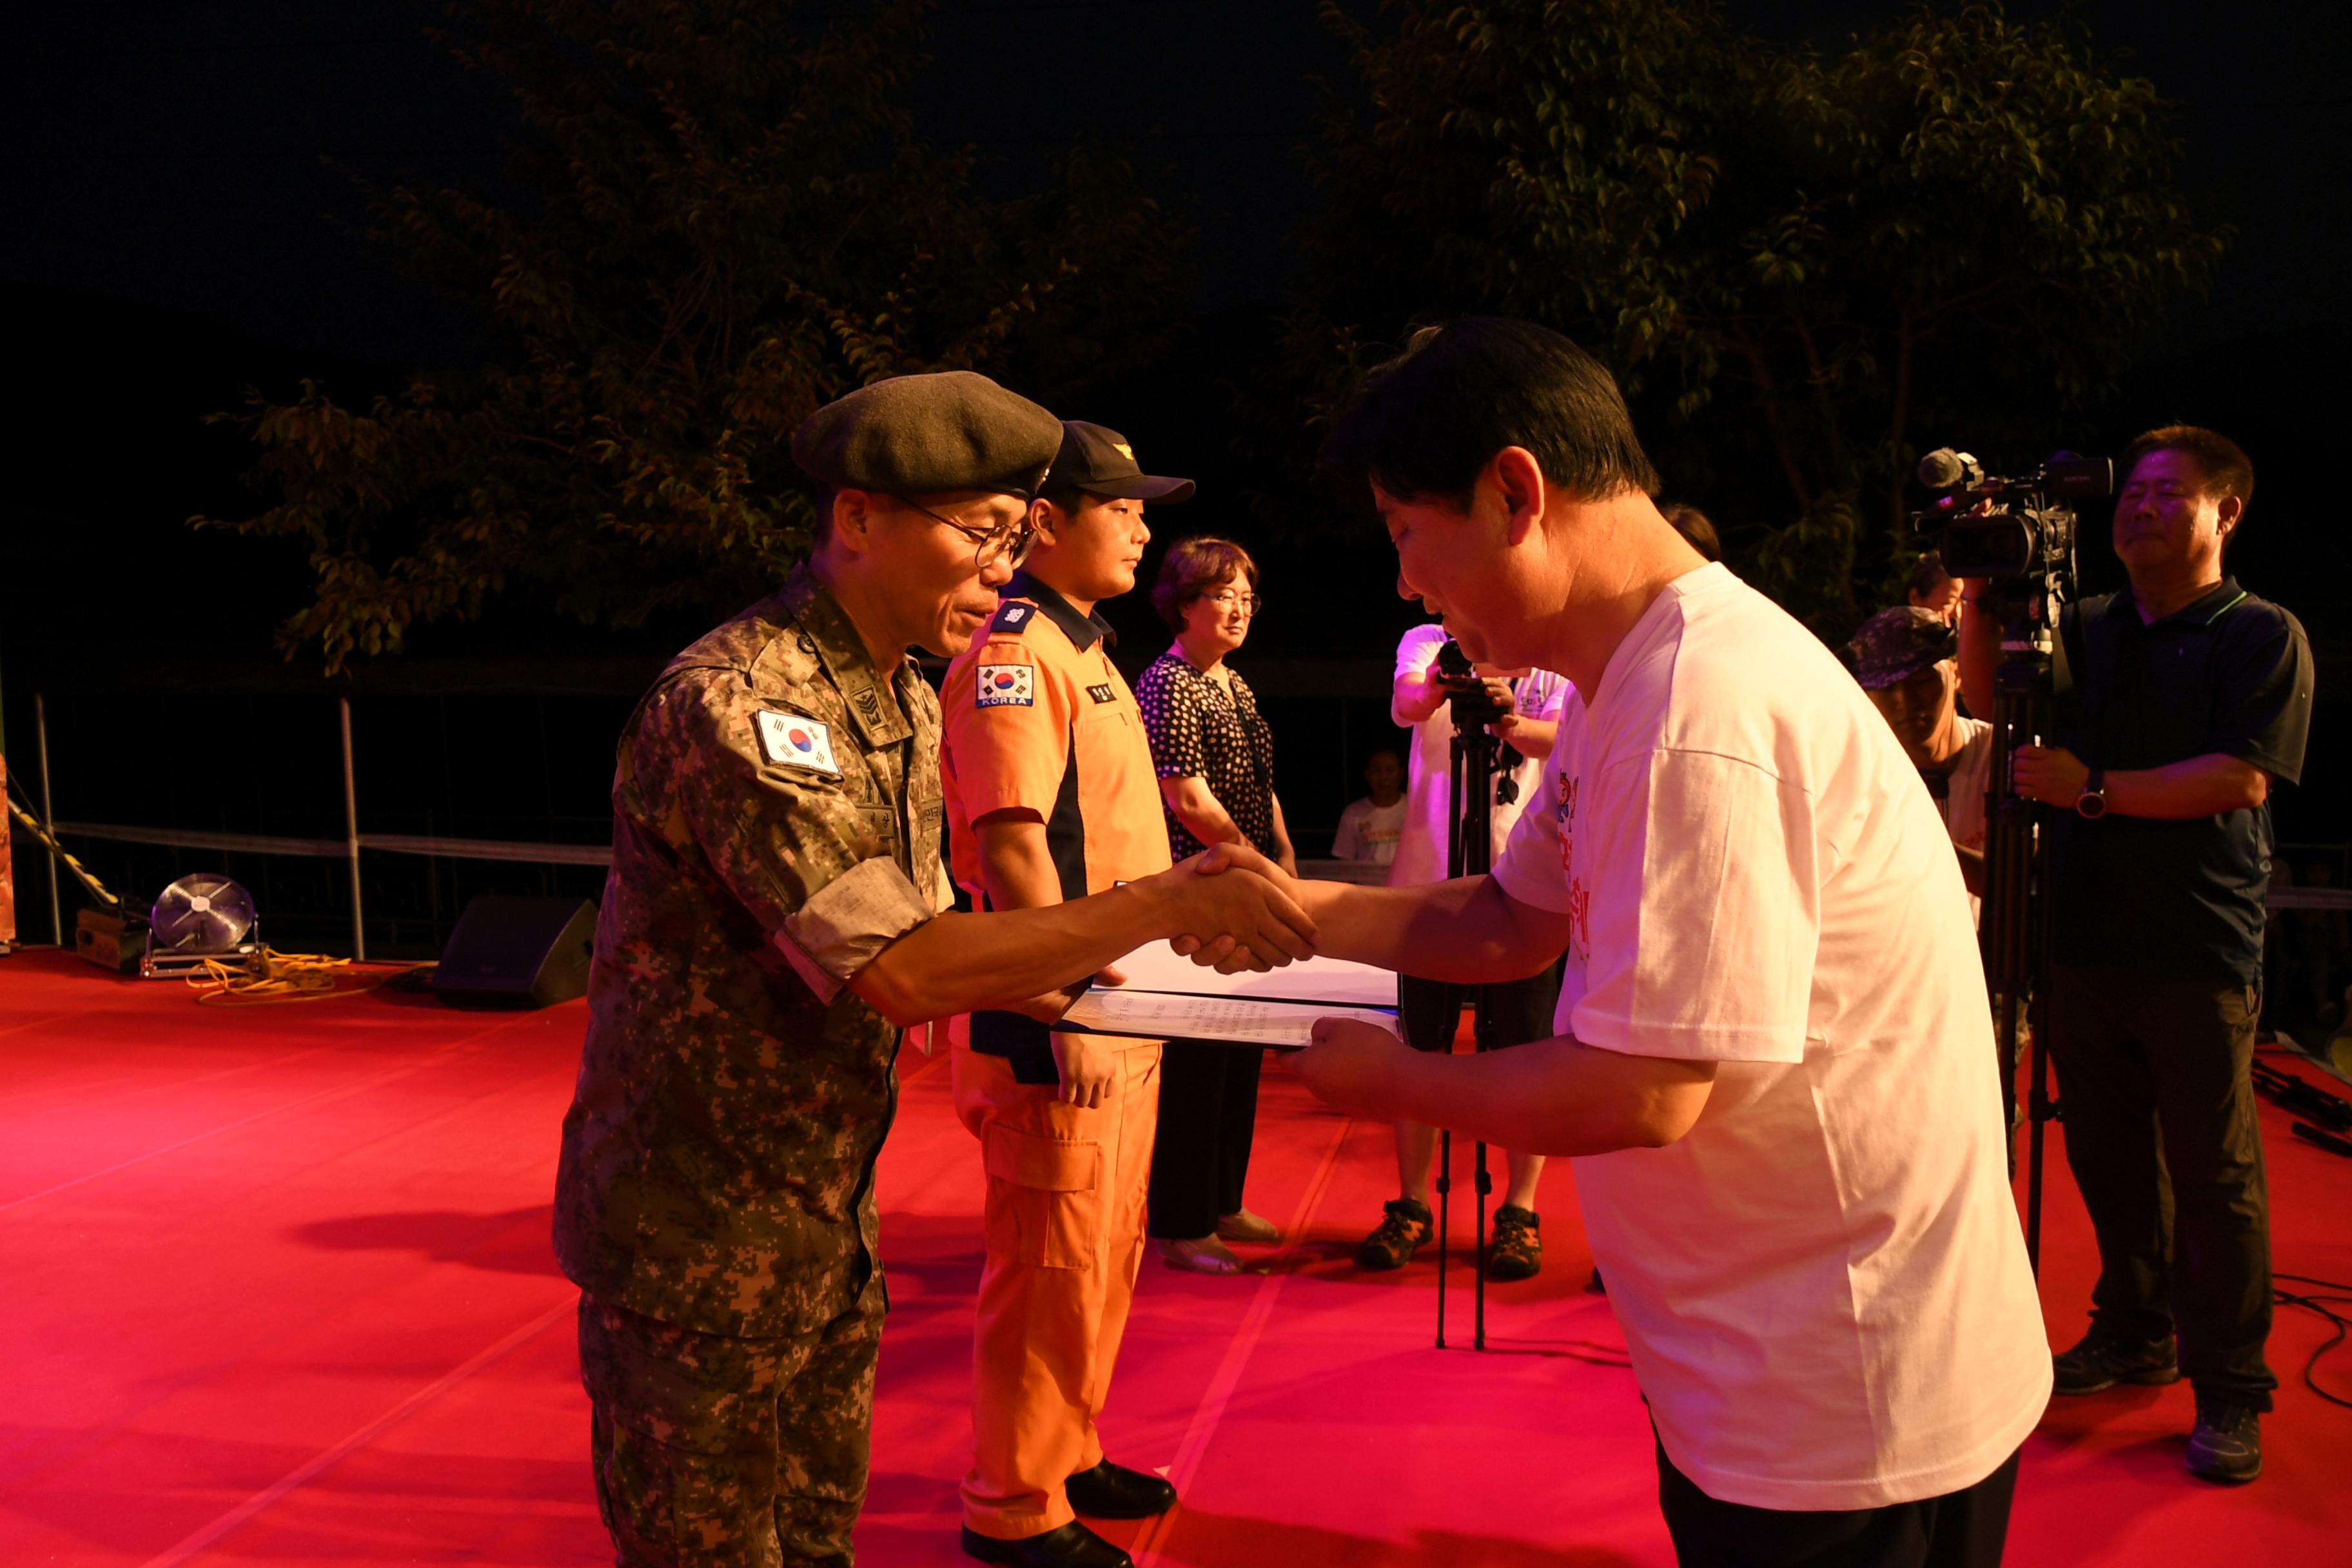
{"points": [[772, 920]]}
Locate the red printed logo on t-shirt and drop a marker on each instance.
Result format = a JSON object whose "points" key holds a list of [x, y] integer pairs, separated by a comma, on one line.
{"points": [[1565, 815], [1580, 907]]}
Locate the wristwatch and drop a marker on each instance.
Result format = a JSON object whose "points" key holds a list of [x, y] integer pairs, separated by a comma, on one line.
{"points": [[2092, 803]]}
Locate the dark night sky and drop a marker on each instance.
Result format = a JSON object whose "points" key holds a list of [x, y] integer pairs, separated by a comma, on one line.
{"points": [[178, 177], [172, 153]]}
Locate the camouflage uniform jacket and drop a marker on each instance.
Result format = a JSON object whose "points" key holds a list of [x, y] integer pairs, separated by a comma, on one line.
{"points": [[776, 823]]}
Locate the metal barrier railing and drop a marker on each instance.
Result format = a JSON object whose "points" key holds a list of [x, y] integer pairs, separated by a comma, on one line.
{"points": [[347, 848]]}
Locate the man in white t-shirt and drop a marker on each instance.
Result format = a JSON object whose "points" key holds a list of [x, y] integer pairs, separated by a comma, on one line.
{"points": [[1775, 1065], [1429, 1010], [1371, 827]]}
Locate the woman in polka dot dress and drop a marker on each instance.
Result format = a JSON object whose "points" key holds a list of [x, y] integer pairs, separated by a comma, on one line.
{"points": [[1215, 759]]}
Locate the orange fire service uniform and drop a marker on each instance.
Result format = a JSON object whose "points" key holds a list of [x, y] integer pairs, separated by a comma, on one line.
{"points": [[1037, 717]]}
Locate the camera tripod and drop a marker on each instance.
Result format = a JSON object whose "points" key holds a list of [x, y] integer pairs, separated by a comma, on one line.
{"points": [[1474, 755], [2015, 932]]}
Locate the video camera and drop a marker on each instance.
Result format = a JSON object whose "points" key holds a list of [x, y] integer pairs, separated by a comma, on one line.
{"points": [[1989, 526], [1473, 710], [1467, 689]]}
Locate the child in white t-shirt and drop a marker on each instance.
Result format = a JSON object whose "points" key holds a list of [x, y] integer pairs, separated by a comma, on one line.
{"points": [[1369, 828]]}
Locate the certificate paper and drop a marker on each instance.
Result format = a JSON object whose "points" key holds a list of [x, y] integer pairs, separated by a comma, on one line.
{"points": [[1155, 967], [1241, 1021]]}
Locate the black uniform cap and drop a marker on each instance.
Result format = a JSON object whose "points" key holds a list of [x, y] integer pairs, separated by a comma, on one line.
{"points": [[924, 434], [1100, 462]]}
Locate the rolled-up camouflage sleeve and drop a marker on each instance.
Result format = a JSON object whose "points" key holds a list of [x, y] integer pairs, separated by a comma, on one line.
{"points": [[850, 920], [797, 847]]}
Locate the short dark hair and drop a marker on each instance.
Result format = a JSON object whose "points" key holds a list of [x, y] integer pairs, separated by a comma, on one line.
{"points": [[1067, 502], [1426, 422], [1928, 573], [1697, 532], [1192, 567], [2228, 470]]}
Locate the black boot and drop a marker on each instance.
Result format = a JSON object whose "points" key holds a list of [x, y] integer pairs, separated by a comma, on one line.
{"points": [[2100, 1360], [1114, 1491], [1072, 1546]]}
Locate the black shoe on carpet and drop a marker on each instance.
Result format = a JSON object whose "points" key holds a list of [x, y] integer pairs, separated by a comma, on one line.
{"points": [[1398, 1236], [2100, 1361], [1516, 1250], [2227, 1444], [1072, 1546], [1114, 1491]]}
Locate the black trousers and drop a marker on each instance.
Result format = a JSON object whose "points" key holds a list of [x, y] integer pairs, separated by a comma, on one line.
{"points": [[1964, 1529], [1519, 1010], [1208, 1113], [2161, 1134]]}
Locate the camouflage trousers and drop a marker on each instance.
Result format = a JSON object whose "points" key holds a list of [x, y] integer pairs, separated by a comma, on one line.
{"points": [[729, 1453]]}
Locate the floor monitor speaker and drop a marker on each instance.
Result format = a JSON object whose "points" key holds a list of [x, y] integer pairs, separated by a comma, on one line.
{"points": [[516, 952]]}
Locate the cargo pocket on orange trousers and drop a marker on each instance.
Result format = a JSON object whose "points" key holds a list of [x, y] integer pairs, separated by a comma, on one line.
{"points": [[1053, 1195]]}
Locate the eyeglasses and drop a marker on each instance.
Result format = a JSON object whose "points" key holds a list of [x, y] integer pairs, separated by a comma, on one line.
{"points": [[1250, 603], [990, 545]]}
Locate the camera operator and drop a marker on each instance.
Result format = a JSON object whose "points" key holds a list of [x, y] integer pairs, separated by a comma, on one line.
{"points": [[1423, 696], [1905, 660], [2194, 700]]}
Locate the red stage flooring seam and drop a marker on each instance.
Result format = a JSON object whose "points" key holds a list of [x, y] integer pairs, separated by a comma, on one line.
{"points": [[301, 1474], [1220, 1392]]}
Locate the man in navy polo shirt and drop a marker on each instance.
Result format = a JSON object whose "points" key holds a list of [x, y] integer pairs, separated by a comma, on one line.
{"points": [[2195, 699]]}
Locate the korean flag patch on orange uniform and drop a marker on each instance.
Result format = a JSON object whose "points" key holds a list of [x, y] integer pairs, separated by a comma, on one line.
{"points": [[1005, 686], [789, 741]]}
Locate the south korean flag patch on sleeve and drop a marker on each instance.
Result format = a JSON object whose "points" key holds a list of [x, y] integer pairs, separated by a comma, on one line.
{"points": [[789, 741], [1005, 686]]}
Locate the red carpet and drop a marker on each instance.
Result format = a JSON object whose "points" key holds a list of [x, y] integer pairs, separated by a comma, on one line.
{"points": [[279, 1282]]}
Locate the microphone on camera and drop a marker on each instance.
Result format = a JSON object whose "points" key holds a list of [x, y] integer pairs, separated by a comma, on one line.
{"points": [[1943, 469]]}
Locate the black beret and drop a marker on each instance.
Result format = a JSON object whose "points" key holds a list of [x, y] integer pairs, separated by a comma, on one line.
{"points": [[921, 435]]}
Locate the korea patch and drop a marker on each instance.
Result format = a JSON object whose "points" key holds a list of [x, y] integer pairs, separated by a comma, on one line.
{"points": [[789, 741], [1006, 686], [1102, 693]]}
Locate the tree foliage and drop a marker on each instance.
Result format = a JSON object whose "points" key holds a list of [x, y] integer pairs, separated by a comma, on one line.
{"points": [[721, 216], [1796, 262]]}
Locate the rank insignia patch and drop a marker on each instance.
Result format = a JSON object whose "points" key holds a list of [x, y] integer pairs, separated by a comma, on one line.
{"points": [[1006, 686], [789, 741], [1102, 693], [1013, 618]]}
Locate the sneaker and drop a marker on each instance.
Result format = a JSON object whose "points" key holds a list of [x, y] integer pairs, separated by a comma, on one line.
{"points": [[1515, 1251], [2227, 1444], [1398, 1236], [2102, 1361], [1206, 1256], [1247, 1226]]}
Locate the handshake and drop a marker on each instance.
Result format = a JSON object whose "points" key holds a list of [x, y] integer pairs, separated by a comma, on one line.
{"points": [[1231, 909]]}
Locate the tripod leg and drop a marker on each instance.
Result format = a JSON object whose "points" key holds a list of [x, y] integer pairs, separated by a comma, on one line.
{"points": [[1484, 1184], [2040, 1113], [1445, 1188]]}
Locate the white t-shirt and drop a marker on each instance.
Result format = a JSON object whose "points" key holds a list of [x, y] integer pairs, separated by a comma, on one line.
{"points": [[1368, 832], [1429, 772], [1965, 781], [1822, 1284], [1963, 805]]}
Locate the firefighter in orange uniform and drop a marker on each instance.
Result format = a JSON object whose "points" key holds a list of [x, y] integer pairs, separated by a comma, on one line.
{"points": [[1051, 796]]}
